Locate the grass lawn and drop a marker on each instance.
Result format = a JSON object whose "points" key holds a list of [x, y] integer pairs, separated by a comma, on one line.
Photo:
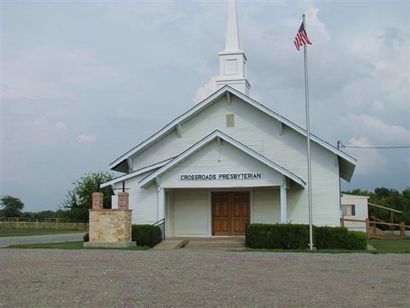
{"points": [[381, 246], [69, 245], [391, 245], [304, 250], [28, 232]]}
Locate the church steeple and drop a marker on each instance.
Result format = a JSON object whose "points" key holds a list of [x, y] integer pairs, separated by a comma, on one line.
{"points": [[232, 60], [232, 32]]}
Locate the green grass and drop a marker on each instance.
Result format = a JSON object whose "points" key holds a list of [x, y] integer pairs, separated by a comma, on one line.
{"points": [[391, 245], [69, 245], [28, 232], [381, 246], [304, 250]]}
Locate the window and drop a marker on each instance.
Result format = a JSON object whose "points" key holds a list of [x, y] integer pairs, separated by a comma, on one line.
{"points": [[230, 120], [349, 210]]}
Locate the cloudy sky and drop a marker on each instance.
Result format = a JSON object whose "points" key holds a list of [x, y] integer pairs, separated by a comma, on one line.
{"points": [[84, 81]]}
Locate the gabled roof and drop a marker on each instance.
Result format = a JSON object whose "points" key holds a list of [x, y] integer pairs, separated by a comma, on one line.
{"points": [[136, 173], [211, 137], [347, 164]]}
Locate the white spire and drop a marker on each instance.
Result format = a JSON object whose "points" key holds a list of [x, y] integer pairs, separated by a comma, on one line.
{"points": [[232, 32], [232, 61]]}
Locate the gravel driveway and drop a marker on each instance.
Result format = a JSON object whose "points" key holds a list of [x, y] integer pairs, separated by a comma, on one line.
{"points": [[109, 278], [49, 238]]}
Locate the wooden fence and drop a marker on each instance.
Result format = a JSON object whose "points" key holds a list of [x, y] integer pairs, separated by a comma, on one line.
{"points": [[57, 224], [396, 231]]}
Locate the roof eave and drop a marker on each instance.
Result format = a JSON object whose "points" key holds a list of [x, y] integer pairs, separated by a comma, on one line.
{"points": [[169, 127]]}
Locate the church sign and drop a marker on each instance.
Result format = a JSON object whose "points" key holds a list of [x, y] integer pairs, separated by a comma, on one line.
{"points": [[221, 176]]}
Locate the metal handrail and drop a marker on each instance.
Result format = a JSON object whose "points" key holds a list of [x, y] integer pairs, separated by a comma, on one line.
{"points": [[161, 224]]}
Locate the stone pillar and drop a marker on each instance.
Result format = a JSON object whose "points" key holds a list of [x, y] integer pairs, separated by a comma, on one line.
{"points": [[123, 200], [97, 201]]}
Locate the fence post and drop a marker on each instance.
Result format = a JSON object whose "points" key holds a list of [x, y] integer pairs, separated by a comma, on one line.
{"points": [[367, 227], [402, 231], [37, 223], [374, 225]]}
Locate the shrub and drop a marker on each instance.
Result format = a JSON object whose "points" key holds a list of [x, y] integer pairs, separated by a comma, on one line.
{"points": [[356, 240], [296, 236], [330, 237], [86, 237], [339, 238], [146, 235], [277, 236]]}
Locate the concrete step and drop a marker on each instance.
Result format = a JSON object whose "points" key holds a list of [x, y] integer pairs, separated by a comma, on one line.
{"points": [[216, 243], [169, 244], [220, 246]]}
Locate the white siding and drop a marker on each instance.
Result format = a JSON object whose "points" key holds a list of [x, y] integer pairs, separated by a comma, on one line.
{"points": [[266, 205], [220, 158], [190, 212], [143, 202], [361, 211], [263, 134]]}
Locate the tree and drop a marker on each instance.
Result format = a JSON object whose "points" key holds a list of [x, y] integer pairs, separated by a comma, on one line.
{"points": [[11, 206], [390, 198], [79, 200]]}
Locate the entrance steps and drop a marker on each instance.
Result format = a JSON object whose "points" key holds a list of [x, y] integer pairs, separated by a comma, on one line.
{"points": [[211, 243], [206, 243], [171, 243]]}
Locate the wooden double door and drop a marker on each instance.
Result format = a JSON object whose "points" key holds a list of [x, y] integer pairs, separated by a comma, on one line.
{"points": [[230, 212]]}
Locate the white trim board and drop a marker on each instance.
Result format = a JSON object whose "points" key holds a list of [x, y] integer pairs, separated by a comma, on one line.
{"points": [[136, 173]]}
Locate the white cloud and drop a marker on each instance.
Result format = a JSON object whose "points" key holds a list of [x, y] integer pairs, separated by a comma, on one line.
{"points": [[125, 115], [86, 138], [316, 28], [369, 161], [376, 130], [50, 72], [384, 60], [207, 89], [60, 125]]}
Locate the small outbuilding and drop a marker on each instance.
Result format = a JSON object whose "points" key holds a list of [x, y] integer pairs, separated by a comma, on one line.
{"points": [[354, 210]]}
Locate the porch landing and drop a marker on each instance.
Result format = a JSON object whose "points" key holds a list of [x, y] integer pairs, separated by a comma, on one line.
{"points": [[206, 243]]}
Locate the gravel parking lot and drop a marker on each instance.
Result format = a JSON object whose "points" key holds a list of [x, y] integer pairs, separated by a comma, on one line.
{"points": [[103, 278]]}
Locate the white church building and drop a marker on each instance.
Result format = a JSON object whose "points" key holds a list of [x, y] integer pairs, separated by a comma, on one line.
{"points": [[229, 161]]}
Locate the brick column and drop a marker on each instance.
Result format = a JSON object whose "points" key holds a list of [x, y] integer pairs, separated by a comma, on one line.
{"points": [[123, 203], [97, 201]]}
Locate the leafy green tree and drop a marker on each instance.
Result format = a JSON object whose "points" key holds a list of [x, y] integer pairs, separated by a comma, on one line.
{"points": [[390, 198], [42, 215], [11, 206], [79, 200]]}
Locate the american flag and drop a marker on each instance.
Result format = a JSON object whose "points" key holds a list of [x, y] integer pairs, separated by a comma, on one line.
{"points": [[301, 37]]}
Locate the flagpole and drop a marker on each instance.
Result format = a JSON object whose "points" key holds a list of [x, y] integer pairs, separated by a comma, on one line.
{"points": [[309, 167]]}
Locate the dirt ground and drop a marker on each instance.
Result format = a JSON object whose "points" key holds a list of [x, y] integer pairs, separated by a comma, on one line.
{"points": [[103, 278]]}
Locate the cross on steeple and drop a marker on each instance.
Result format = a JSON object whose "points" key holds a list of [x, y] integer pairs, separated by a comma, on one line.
{"points": [[232, 59]]}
